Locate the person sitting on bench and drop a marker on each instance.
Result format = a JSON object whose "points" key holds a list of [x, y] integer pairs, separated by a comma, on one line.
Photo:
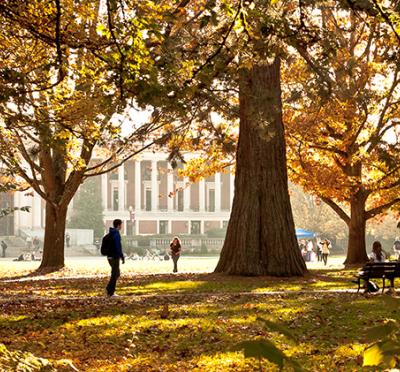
{"points": [[377, 254]]}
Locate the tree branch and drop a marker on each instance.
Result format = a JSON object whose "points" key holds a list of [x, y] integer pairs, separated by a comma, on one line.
{"points": [[339, 211], [378, 210]]}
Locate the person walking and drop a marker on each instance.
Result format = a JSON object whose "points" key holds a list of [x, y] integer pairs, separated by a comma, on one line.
{"points": [[114, 256], [175, 250], [68, 240], [36, 243], [310, 248], [4, 247], [396, 247], [28, 242], [319, 250], [325, 250]]}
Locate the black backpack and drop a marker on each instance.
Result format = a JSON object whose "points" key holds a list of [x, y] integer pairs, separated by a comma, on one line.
{"points": [[107, 245], [372, 287]]}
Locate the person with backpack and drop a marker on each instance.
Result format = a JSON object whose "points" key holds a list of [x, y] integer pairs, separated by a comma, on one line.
{"points": [[112, 248]]}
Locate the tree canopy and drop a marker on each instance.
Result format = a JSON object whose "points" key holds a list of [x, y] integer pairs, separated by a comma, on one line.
{"points": [[343, 145]]}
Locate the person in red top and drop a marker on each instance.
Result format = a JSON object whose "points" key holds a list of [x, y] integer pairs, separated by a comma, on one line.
{"points": [[175, 251]]}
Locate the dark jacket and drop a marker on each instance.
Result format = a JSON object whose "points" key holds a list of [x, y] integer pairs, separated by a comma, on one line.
{"points": [[175, 249], [117, 247]]}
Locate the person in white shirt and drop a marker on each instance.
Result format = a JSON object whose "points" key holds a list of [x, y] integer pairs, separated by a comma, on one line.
{"points": [[325, 250]]}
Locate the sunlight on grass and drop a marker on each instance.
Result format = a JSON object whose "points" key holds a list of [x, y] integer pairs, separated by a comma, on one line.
{"points": [[199, 335], [279, 287], [174, 286], [229, 361], [207, 316]]}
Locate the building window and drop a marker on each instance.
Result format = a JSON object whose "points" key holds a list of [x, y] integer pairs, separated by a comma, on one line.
{"points": [[211, 200], [148, 199], [195, 227], [225, 224], [180, 200], [115, 199], [163, 227], [147, 171], [114, 174]]}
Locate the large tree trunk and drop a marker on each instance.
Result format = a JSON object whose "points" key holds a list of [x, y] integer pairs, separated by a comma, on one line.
{"points": [[356, 250], [53, 248], [261, 239]]}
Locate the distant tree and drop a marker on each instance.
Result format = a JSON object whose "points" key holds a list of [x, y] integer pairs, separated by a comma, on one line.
{"points": [[8, 185], [87, 210], [384, 227], [311, 213]]}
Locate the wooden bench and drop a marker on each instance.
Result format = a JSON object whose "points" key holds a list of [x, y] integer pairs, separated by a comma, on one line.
{"points": [[379, 270]]}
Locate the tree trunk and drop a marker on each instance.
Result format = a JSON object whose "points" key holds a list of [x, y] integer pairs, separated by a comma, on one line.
{"points": [[53, 248], [261, 239], [356, 250]]}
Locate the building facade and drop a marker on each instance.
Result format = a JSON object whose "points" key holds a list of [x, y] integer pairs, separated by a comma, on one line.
{"points": [[150, 198], [7, 222]]}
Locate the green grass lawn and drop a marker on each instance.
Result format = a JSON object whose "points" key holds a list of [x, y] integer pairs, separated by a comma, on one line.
{"points": [[68, 322]]}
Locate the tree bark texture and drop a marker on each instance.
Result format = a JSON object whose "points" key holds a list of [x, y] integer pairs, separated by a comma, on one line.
{"points": [[356, 249], [53, 247], [261, 238]]}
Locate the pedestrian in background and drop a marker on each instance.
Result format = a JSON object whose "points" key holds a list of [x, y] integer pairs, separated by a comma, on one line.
{"points": [[175, 250], [4, 247], [325, 249]]}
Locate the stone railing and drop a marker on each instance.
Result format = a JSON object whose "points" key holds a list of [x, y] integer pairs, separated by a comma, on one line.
{"points": [[188, 244]]}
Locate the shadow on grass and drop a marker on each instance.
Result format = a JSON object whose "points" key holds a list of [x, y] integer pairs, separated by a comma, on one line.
{"points": [[105, 332], [181, 284]]}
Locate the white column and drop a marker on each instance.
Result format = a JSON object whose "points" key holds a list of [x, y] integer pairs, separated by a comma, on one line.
{"points": [[154, 186], [231, 188], [202, 200], [25, 219], [217, 192], [138, 186], [170, 188], [202, 227], [169, 227], [104, 191], [186, 194], [121, 187], [17, 214], [37, 210]]}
